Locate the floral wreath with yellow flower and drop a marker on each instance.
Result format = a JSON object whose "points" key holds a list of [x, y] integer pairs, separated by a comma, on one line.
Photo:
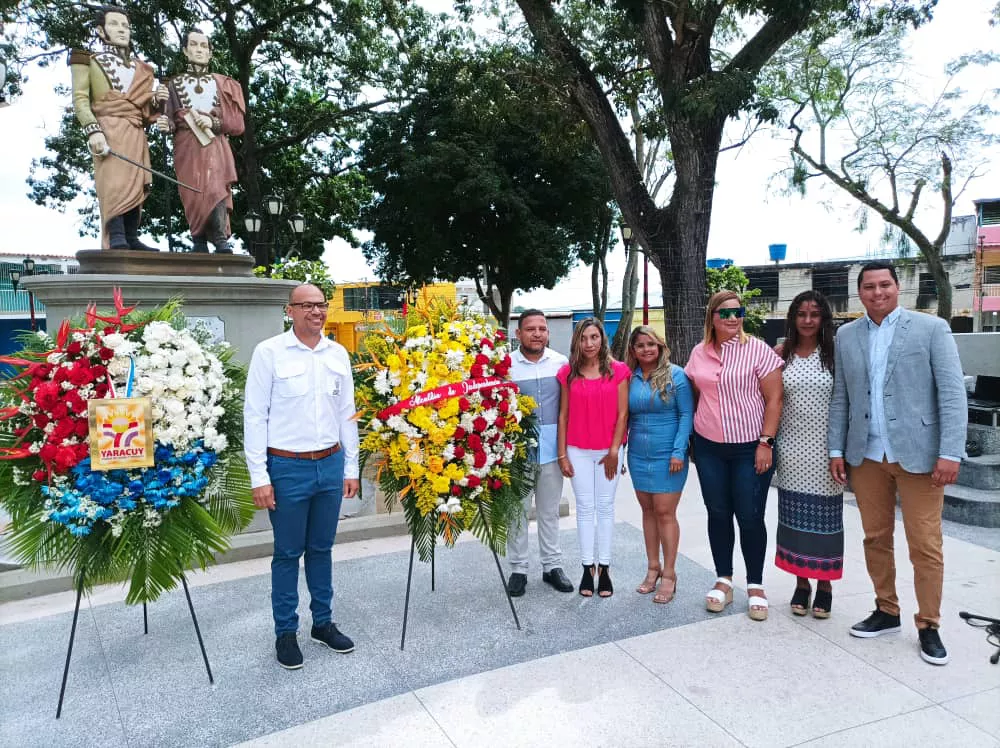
{"points": [[449, 433]]}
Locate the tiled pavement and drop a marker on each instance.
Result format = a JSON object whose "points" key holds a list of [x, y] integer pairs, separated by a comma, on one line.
{"points": [[618, 672]]}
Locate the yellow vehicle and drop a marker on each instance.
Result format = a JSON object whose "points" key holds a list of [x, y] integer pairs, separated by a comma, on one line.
{"points": [[356, 308]]}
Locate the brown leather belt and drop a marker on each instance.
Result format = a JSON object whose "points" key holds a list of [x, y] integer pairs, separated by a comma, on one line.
{"points": [[317, 455]]}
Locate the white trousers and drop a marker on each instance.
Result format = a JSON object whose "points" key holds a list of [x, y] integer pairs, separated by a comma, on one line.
{"points": [[595, 502], [547, 495]]}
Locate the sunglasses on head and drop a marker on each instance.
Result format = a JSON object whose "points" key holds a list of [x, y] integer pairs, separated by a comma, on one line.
{"points": [[737, 313]]}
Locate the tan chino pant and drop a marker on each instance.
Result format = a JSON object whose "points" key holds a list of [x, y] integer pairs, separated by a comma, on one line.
{"points": [[875, 485]]}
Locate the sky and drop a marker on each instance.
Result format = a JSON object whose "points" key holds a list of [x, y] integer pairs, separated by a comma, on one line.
{"points": [[749, 212]]}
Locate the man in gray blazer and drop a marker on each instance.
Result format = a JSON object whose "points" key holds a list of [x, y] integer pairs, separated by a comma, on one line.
{"points": [[898, 418]]}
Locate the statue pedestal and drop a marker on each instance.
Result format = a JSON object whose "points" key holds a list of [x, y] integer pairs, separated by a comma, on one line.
{"points": [[240, 310], [130, 262]]}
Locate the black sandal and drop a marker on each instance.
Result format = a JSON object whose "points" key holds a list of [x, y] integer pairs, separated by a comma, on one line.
{"points": [[604, 586], [800, 600], [823, 604], [587, 582]]}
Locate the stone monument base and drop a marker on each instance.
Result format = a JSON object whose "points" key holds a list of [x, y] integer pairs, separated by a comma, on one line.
{"points": [[132, 262]]}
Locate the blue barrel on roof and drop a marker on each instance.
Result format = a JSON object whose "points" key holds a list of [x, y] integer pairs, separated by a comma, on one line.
{"points": [[717, 263], [777, 251]]}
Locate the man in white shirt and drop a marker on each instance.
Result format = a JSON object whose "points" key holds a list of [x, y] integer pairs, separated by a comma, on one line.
{"points": [[301, 444], [533, 369]]}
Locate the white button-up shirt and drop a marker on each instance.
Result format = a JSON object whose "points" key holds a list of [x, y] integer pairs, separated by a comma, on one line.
{"points": [[879, 341], [299, 399]]}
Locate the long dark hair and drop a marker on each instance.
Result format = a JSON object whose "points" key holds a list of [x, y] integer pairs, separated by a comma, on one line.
{"points": [[824, 337], [576, 355]]}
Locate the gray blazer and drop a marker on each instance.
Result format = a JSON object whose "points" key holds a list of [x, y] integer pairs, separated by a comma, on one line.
{"points": [[926, 412]]}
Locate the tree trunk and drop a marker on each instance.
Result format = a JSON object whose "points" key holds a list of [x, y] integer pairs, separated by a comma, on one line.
{"points": [[932, 256], [630, 285]]}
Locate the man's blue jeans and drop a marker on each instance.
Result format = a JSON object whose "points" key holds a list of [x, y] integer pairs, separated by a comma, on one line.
{"points": [[307, 497], [730, 486]]}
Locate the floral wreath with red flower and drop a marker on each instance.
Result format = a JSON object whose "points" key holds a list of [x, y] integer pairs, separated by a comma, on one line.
{"points": [[447, 432]]}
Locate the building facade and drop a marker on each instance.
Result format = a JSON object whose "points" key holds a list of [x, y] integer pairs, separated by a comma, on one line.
{"points": [[986, 284]]}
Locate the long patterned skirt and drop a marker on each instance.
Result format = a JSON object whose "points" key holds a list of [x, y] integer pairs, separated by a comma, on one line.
{"points": [[810, 535]]}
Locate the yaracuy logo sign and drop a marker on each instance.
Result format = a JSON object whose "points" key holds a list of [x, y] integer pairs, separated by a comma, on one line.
{"points": [[121, 433]]}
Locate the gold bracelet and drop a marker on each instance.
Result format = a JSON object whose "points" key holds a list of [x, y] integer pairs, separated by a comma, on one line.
{"points": [[561, 457]]}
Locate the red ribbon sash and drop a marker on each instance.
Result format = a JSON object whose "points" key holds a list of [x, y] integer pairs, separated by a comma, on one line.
{"points": [[444, 392]]}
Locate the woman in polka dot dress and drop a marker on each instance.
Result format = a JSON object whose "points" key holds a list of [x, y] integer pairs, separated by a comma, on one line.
{"points": [[810, 541]]}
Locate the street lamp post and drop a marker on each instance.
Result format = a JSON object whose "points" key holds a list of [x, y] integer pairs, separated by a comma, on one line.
{"points": [[15, 279], [627, 241], [273, 207]]}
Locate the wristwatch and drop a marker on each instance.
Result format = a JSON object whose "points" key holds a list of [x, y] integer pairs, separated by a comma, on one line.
{"points": [[767, 441]]}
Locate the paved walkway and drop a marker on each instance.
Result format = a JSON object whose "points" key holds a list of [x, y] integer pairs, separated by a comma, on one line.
{"points": [[618, 672]]}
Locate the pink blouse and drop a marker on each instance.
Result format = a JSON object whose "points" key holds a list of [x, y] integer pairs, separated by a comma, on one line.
{"points": [[593, 407], [730, 403]]}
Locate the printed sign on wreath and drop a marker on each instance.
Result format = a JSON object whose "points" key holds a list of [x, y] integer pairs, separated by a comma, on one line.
{"points": [[121, 433]]}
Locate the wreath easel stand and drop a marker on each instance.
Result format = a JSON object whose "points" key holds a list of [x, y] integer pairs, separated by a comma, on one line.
{"points": [[409, 576], [81, 577]]}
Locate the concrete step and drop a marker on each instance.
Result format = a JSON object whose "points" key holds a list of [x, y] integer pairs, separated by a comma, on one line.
{"points": [[972, 506], [980, 472]]}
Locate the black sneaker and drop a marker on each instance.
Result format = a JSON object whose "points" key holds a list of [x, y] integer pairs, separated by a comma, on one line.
{"points": [[557, 579], [289, 654], [876, 624], [330, 636], [931, 648], [517, 584]]}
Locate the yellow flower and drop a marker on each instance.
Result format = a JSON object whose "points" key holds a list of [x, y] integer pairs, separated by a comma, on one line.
{"points": [[435, 464], [440, 484], [393, 362], [416, 470]]}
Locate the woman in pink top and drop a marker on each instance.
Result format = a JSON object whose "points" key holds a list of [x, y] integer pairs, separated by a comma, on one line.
{"points": [[593, 414], [737, 378]]}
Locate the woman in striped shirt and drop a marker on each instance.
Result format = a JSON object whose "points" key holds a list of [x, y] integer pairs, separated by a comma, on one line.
{"points": [[737, 379]]}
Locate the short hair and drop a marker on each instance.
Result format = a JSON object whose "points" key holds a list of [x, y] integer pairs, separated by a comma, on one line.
{"points": [[878, 265], [186, 37], [529, 313], [102, 14]]}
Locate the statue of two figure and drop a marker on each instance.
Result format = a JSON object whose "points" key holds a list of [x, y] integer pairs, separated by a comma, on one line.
{"points": [[115, 96]]}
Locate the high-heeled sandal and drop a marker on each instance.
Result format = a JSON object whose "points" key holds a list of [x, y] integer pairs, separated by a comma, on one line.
{"points": [[587, 581], [800, 601], [662, 597], [650, 582], [717, 600], [822, 604], [756, 605], [604, 586]]}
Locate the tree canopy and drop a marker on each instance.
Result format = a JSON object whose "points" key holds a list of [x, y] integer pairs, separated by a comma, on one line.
{"points": [[484, 174], [690, 67]]}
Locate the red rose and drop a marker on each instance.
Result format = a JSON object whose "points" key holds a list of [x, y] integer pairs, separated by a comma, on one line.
{"points": [[60, 374], [501, 370], [41, 420], [485, 343], [501, 335], [47, 395], [58, 411], [106, 354], [63, 430], [456, 490], [476, 371], [504, 407], [101, 389], [459, 452], [463, 404], [81, 429], [40, 371], [82, 450], [65, 459], [482, 359], [74, 348], [488, 403], [500, 422], [39, 475], [479, 459], [475, 442], [81, 374], [75, 403], [459, 433], [474, 480], [496, 484], [48, 452], [479, 424]]}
